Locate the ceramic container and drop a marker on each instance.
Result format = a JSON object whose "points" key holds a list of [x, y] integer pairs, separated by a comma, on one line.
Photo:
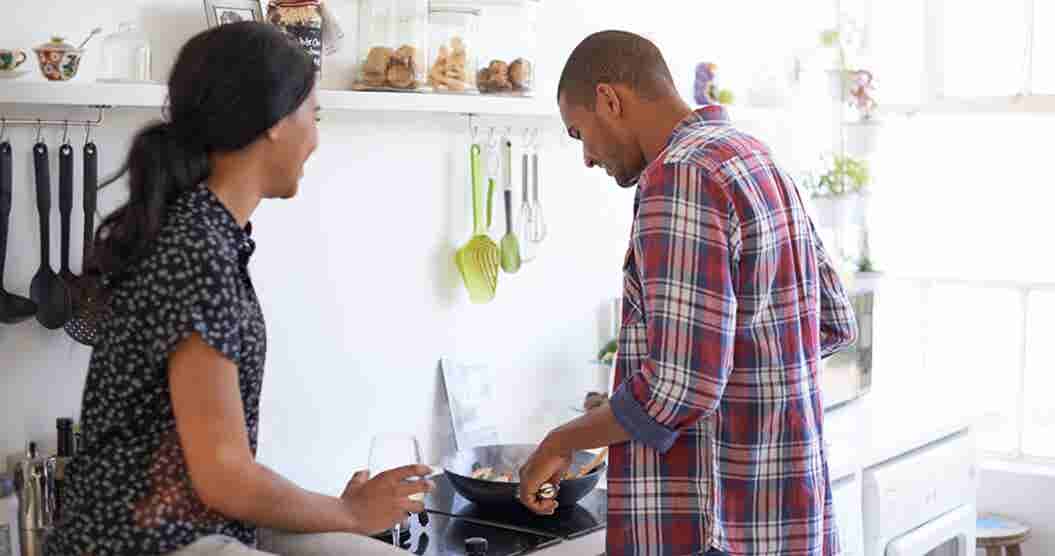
{"points": [[11, 59], [58, 59]]}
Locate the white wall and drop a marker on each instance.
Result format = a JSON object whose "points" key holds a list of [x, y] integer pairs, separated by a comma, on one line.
{"points": [[356, 274]]}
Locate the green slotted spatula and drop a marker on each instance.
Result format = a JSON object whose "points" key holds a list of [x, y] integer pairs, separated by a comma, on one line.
{"points": [[478, 259]]}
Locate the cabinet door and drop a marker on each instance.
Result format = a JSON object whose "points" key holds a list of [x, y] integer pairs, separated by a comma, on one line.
{"points": [[846, 498]]}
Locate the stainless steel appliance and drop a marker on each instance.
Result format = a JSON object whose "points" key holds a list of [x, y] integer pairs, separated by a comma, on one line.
{"points": [[35, 486], [847, 375]]}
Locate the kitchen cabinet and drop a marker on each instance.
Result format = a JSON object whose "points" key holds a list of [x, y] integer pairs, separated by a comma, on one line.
{"points": [[846, 500]]}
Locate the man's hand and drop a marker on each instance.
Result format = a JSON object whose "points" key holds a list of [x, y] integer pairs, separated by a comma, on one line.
{"points": [[544, 466]]}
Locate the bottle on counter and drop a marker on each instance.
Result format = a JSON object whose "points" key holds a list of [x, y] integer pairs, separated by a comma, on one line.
{"points": [[64, 430]]}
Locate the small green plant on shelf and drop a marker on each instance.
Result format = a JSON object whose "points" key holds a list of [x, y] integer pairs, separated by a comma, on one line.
{"points": [[607, 353], [844, 175], [830, 38]]}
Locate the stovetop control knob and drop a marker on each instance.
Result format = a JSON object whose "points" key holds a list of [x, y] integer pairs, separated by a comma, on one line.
{"points": [[476, 547]]}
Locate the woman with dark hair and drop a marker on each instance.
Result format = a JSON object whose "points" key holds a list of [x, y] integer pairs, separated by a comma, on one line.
{"points": [[172, 397]]}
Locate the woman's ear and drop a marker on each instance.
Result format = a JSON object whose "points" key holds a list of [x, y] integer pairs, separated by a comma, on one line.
{"points": [[274, 133]]}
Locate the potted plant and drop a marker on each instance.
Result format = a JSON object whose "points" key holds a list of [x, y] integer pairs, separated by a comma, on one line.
{"points": [[839, 195], [705, 88], [832, 39], [861, 134], [844, 41]]}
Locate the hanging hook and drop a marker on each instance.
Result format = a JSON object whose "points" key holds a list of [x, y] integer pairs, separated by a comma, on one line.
{"points": [[40, 131], [3, 129], [66, 133], [87, 133]]}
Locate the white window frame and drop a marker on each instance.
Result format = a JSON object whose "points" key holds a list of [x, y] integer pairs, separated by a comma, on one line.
{"points": [[1023, 289], [936, 102]]}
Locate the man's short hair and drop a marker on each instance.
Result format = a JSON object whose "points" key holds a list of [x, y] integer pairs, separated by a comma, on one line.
{"points": [[614, 57]]}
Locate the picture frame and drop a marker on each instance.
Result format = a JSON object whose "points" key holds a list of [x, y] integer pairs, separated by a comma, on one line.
{"points": [[220, 12]]}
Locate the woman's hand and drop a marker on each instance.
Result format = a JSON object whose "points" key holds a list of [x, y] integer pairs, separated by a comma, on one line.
{"points": [[378, 504]]}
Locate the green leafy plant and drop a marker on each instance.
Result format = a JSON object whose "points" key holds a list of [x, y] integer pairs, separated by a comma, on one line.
{"points": [[845, 175], [607, 353]]}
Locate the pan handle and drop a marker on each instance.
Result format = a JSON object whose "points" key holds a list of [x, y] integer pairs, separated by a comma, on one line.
{"points": [[547, 491]]}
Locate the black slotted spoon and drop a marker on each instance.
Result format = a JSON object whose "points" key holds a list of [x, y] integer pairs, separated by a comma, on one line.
{"points": [[47, 290], [88, 306], [13, 308]]}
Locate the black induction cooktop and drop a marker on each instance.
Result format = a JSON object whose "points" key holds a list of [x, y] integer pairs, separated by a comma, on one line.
{"points": [[510, 531]]}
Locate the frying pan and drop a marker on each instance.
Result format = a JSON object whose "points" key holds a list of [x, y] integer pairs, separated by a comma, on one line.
{"points": [[502, 457]]}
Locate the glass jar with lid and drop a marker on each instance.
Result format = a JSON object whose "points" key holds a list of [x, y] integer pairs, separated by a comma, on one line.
{"points": [[452, 37], [126, 55], [508, 40], [393, 42]]}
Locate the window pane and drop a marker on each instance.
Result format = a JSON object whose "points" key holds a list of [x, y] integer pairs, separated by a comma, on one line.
{"points": [[936, 212], [1043, 47], [973, 362], [895, 44], [1039, 437], [983, 46]]}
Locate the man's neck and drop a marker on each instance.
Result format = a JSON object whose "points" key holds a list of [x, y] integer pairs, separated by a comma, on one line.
{"points": [[659, 124]]}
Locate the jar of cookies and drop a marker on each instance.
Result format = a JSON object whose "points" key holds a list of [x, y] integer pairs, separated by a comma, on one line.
{"points": [[452, 61], [507, 45], [301, 20], [393, 42]]}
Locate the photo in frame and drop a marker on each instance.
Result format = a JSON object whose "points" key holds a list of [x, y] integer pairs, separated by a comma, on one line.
{"points": [[222, 12]]}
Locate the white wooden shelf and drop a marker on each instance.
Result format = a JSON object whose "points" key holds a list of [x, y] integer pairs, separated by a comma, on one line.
{"points": [[153, 96]]}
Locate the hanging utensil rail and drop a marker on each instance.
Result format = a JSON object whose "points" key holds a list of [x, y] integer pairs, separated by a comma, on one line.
{"points": [[39, 122]]}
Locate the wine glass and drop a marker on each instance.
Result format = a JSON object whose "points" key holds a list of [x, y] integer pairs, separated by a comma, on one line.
{"points": [[389, 451]]}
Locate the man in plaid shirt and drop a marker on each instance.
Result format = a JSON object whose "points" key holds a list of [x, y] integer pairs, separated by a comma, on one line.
{"points": [[729, 304]]}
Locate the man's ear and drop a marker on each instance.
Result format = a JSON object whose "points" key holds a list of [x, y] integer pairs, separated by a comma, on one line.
{"points": [[608, 101]]}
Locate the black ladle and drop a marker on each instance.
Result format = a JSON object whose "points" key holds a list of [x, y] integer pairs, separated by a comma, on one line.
{"points": [[47, 290], [13, 308], [65, 210]]}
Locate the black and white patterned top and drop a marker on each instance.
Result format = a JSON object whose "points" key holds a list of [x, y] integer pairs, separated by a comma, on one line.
{"points": [[129, 491]]}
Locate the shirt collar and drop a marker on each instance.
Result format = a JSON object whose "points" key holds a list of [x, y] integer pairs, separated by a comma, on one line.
{"points": [[239, 238], [709, 114]]}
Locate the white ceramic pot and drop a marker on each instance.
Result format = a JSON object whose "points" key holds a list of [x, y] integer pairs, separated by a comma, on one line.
{"points": [[840, 212], [861, 137]]}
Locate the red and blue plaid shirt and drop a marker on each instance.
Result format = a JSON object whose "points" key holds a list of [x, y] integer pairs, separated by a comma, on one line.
{"points": [[729, 303]]}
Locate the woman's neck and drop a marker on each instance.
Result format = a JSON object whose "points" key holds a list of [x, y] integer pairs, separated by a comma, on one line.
{"points": [[237, 185]]}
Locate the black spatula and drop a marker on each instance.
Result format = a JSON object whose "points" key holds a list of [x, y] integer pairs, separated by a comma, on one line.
{"points": [[47, 290], [13, 308]]}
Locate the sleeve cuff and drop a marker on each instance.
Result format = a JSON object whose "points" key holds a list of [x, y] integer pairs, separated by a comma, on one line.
{"points": [[638, 423]]}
